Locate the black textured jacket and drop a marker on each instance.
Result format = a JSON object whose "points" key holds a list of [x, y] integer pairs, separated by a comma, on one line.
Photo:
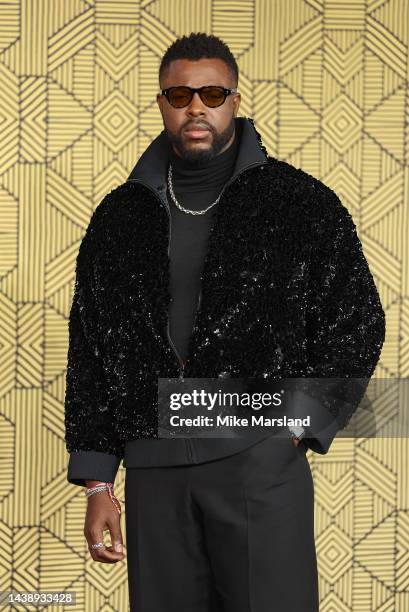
{"points": [[286, 292]]}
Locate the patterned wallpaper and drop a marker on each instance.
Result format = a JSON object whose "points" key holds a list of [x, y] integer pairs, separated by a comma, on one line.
{"points": [[327, 85]]}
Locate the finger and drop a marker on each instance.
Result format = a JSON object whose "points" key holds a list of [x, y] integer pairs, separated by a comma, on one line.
{"points": [[105, 555], [110, 550], [116, 535], [122, 554], [104, 558], [102, 553]]}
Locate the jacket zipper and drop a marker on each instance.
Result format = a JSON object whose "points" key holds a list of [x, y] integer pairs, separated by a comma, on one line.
{"points": [[166, 204], [182, 363]]}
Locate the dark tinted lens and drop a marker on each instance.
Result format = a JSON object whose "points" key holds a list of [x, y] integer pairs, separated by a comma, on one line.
{"points": [[213, 96], [179, 96]]}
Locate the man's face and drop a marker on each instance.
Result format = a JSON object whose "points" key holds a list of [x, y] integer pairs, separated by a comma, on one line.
{"points": [[219, 121]]}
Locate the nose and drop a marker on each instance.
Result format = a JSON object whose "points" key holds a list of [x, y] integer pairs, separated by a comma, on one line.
{"points": [[196, 105]]}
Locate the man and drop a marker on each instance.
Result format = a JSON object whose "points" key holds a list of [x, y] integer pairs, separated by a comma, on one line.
{"points": [[214, 260]]}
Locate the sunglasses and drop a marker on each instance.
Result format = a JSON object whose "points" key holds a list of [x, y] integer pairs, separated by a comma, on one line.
{"points": [[211, 95]]}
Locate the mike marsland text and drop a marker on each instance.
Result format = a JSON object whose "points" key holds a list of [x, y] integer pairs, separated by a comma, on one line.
{"points": [[234, 421]]}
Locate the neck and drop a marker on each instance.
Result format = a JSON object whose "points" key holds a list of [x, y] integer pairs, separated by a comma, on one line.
{"points": [[188, 177]]}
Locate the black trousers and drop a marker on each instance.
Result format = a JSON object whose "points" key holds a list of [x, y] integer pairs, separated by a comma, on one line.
{"points": [[230, 535]]}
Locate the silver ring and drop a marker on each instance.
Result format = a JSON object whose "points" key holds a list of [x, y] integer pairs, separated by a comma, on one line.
{"points": [[97, 545]]}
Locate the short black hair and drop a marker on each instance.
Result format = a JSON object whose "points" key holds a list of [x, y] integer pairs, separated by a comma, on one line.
{"points": [[196, 46]]}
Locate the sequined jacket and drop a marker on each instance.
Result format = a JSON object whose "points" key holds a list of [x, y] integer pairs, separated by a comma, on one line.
{"points": [[286, 292]]}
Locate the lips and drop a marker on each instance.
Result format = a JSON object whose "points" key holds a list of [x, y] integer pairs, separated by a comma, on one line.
{"points": [[196, 132], [196, 128]]}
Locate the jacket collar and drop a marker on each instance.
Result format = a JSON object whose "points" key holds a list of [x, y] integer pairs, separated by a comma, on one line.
{"points": [[152, 166]]}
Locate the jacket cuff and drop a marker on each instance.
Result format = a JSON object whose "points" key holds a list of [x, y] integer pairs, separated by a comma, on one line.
{"points": [[323, 425], [320, 441], [92, 465]]}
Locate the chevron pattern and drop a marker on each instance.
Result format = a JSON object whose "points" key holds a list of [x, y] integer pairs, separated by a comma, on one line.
{"points": [[326, 83]]}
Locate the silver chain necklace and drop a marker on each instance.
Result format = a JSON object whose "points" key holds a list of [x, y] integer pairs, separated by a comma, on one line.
{"points": [[186, 210]]}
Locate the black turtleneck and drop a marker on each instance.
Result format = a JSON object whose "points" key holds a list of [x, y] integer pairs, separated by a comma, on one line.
{"points": [[195, 188]]}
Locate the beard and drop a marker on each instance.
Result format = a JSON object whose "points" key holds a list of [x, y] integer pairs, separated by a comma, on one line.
{"points": [[198, 155]]}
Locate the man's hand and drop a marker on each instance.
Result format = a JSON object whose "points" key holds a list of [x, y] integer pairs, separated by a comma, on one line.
{"points": [[103, 516]]}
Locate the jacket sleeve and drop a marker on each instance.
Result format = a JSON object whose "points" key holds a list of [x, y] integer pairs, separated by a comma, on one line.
{"points": [[95, 451], [345, 324]]}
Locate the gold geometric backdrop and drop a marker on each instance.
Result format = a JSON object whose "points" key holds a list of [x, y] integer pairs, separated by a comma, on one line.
{"points": [[326, 83]]}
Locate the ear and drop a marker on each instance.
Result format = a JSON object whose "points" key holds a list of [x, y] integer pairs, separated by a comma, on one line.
{"points": [[159, 102], [236, 103]]}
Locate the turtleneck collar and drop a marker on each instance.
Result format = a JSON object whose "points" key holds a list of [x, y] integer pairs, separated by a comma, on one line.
{"points": [[187, 177]]}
